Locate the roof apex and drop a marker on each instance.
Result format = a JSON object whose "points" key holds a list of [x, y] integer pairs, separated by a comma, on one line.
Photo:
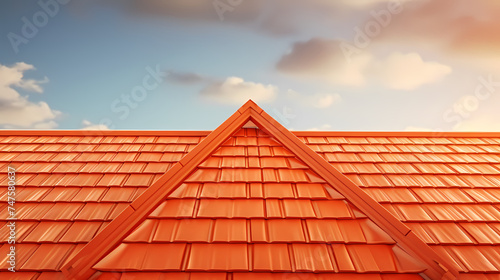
{"points": [[250, 105]]}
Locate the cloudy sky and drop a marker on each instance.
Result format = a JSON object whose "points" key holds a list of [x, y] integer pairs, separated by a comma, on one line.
{"points": [[189, 64]]}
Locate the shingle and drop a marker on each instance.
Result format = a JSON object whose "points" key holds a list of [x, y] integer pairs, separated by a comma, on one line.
{"points": [[373, 233], [399, 195], [131, 167], [138, 180], [273, 162], [298, 208], [481, 232], [414, 212], [165, 230], [141, 256], [447, 233], [204, 175], [227, 208], [61, 194], [47, 232], [85, 180], [472, 258], [230, 151], [285, 230], [95, 211], [193, 230], [274, 208], [81, 232], [292, 175], [271, 257], [258, 230], [310, 190], [186, 190], [372, 258], [47, 257], [171, 157], [230, 230], [376, 180], [233, 162], [430, 195], [223, 190], [118, 195], [342, 258], [445, 212], [332, 209], [278, 190], [175, 208], [62, 211], [305, 258], [212, 162], [225, 257], [112, 180]]}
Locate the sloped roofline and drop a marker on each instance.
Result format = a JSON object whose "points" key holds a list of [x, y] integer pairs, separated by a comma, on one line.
{"points": [[80, 266]]}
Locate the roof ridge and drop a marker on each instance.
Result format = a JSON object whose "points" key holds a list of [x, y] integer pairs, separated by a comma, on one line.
{"points": [[80, 266], [81, 132]]}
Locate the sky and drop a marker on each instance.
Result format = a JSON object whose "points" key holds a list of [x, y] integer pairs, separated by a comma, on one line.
{"points": [[344, 65]]}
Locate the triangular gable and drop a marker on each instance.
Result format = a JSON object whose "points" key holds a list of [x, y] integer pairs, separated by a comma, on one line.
{"points": [[80, 267], [253, 205]]}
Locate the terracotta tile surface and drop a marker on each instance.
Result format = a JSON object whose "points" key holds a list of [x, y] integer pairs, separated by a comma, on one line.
{"points": [[234, 223], [218, 257], [253, 205]]}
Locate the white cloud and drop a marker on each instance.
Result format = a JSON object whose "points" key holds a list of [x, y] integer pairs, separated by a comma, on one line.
{"points": [[324, 60], [17, 111], [235, 90], [318, 100], [409, 71], [87, 125], [328, 61]]}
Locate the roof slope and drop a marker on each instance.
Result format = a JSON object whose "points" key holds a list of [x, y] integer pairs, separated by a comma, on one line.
{"points": [[82, 264], [450, 181], [254, 206]]}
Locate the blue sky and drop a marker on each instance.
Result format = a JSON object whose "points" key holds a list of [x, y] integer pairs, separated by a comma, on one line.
{"points": [[188, 65]]}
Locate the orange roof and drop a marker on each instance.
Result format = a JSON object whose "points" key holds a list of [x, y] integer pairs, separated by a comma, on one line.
{"points": [[252, 199]]}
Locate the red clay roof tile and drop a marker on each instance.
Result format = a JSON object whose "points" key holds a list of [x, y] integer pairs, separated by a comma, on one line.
{"points": [[285, 230], [81, 232], [47, 257], [271, 257], [230, 230], [165, 230], [306, 257], [172, 208], [218, 257], [372, 258], [298, 208], [47, 232], [332, 209], [193, 230]]}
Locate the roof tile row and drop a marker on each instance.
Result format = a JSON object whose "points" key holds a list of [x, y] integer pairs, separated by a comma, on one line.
{"points": [[259, 230], [257, 257]]}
